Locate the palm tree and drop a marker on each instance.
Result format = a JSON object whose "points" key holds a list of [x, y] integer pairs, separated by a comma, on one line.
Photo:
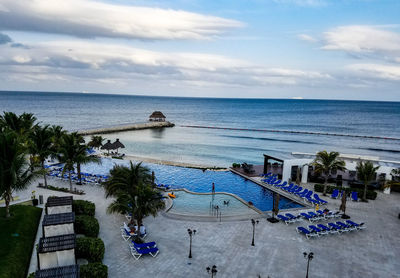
{"points": [[134, 193], [15, 173], [41, 146], [57, 133], [21, 124], [96, 141], [366, 172], [82, 157], [325, 163]]}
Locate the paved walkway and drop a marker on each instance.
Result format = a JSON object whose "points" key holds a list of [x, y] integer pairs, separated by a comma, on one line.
{"points": [[278, 249]]}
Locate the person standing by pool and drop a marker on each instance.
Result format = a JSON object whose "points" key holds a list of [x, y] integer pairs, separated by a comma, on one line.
{"points": [[213, 188]]}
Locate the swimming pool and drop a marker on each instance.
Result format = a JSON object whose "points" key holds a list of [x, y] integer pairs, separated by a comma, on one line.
{"points": [[196, 180], [204, 205]]}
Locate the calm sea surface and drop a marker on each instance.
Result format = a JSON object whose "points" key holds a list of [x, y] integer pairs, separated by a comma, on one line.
{"points": [[221, 147]]}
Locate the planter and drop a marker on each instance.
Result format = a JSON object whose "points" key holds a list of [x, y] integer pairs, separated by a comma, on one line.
{"points": [[35, 202]]}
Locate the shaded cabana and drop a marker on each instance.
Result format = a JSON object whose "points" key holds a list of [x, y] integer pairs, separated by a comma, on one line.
{"points": [[58, 224], [117, 144], [70, 271], [56, 251], [157, 116], [108, 146], [56, 205]]}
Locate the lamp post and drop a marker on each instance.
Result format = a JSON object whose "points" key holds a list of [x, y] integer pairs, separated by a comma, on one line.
{"points": [[191, 233], [308, 257], [212, 270], [253, 222]]}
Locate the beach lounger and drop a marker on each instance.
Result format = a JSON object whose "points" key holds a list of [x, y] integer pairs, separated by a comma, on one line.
{"points": [[354, 196], [345, 226], [287, 187], [360, 226], [307, 216], [299, 189], [126, 235], [315, 216], [282, 184], [303, 193], [138, 252], [285, 219], [333, 226], [151, 244], [293, 189], [306, 232], [316, 197], [292, 217], [335, 194], [326, 229], [317, 230]]}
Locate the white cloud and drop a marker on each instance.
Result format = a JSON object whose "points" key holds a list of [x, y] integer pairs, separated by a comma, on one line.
{"points": [[86, 18], [385, 72], [364, 40], [104, 61], [305, 37]]}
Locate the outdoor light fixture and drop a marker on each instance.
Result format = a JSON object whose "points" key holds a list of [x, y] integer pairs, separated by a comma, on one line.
{"points": [[309, 257], [191, 233], [212, 270], [253, 222]]}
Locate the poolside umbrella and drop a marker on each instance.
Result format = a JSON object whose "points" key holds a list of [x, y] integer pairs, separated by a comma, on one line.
{"points": [[108, 146], [117, 144]]}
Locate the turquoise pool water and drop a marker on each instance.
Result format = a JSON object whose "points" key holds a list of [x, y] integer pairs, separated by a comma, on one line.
{"points": [[201, 181], [193, 204]]}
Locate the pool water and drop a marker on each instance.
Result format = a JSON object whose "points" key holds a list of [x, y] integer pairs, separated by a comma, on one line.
{"points": [[196, 180], [204, 205]]}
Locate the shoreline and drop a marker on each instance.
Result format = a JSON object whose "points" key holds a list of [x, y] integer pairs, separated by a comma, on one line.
{"points": [[173, 163]]}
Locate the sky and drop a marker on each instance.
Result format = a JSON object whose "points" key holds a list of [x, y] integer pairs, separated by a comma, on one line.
{"points": [[318, 49]]}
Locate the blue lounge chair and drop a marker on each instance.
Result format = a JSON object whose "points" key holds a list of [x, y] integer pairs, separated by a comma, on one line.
{"points": [[326, 229], [292, 217], [333, 226], [306, 232], [307, 216], [335, 194], [293, 189], [288, 187], [360, 226], [282, 184], [151, 244], [285, 219], [314, 215], [316, 197], [317, 230], [354, 196], [303, 193], [138, 252], [345, 226], [299, 189]]}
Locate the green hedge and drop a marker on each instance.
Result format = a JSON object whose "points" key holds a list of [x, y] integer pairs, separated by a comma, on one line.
{"points": [[93, 270], [89, 248], [83, 207], [17, 236], [371, 195], [87, 225]]}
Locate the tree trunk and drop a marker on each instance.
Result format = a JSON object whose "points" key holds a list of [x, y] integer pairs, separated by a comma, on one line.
{"points": [[78, 169], [365, 192], [325, 186], [7, 201], [70, 181], [44, 175]]}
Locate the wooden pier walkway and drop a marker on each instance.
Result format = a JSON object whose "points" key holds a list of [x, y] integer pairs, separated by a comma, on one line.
{"points": [[127, 127]]}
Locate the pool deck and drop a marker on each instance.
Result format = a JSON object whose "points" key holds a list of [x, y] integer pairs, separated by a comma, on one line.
{"points": [[278, 248]]}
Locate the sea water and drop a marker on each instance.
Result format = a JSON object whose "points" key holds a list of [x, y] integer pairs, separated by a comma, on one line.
{"points": [[77, 111]]}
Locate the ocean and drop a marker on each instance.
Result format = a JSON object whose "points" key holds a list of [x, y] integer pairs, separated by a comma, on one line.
{"points": [[222, 147]]}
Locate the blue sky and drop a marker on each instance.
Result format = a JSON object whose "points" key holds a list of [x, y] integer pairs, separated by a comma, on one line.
{"points": [[335, 49]]}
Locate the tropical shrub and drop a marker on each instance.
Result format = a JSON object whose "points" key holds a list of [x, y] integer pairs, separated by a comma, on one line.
{"points": [[235, 165], [87, 225], [93, 270], [89, 248], [371, 195], [83, 207]]}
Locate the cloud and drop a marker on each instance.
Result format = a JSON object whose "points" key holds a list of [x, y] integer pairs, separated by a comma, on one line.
{"points": [[90, 19], [305, 37], [4, 39], [363, 40], [106, 61], [376, 71]]}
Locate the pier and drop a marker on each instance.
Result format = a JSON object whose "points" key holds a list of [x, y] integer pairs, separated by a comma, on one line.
{"points": [[127, 127]]}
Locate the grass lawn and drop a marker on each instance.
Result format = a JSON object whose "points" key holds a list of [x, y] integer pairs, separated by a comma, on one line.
{"points": [[17, 235]]}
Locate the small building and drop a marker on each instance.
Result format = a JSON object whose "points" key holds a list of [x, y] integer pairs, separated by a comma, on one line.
{"points": [[157, 116], [58, 224], [56, 251], [56, 205]]}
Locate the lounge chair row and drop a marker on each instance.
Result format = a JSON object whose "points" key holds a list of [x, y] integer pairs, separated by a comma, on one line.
{"points": [[311, 216], [297, 190], [139, 249], [126, 234], [330, 228], [339, 194]]}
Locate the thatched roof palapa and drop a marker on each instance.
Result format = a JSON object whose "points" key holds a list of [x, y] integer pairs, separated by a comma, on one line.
{"points": [[108, 146], [157, 114], [117, 144]]}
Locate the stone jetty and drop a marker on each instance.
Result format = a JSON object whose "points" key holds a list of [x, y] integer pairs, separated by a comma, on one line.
{"points": [[126, 127]]}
